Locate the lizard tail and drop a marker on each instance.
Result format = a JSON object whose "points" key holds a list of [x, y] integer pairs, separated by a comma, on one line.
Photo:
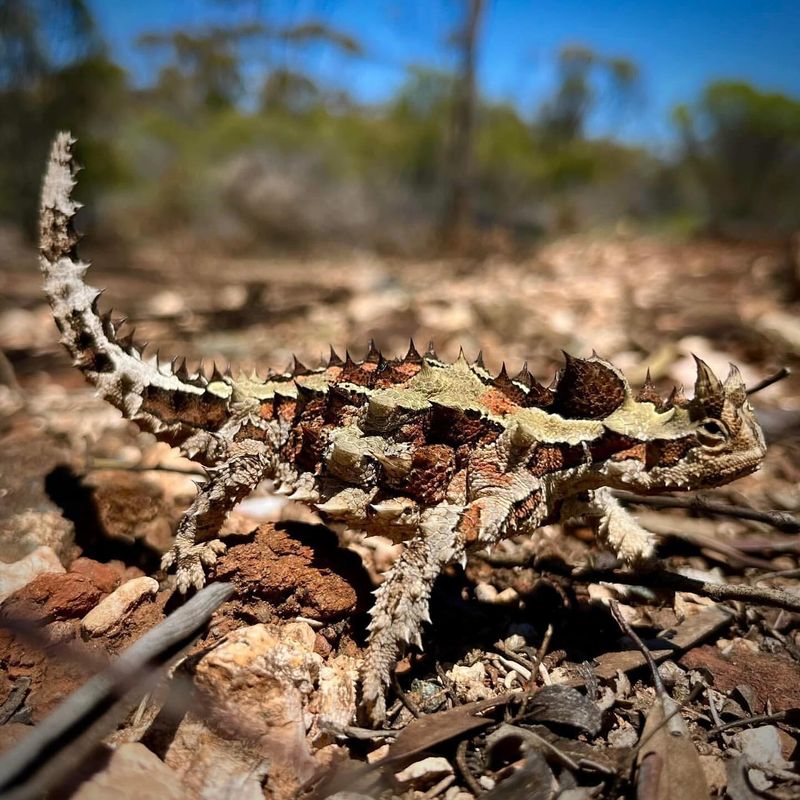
{"points": [[160, 399]]}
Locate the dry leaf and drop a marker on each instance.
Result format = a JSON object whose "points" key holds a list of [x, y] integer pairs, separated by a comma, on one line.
{"points": [[565, 706], [667, 760], [425, 732]]}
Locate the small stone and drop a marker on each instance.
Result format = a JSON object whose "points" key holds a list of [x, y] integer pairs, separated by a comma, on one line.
{"points": [[470, 682], [515, 643], [337, 691], [485, 593], [133, 773], [377, 754], [109, 614], [19, 573], [623, 735], [457, 793], [258, 680], [507, 597], [104, 576], [25, 532], [422, 774]]}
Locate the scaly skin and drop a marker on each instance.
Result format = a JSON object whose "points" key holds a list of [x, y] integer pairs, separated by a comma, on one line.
{"points": [[441, 457]]}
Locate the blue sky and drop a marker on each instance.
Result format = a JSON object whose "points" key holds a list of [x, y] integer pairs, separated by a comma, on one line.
{"points": [[679, 46]]}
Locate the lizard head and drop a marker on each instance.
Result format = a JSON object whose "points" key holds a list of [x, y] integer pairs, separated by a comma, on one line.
{"points": [[720, 440]]}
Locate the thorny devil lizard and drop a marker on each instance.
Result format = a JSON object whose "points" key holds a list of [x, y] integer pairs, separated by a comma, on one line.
{"points": [[442, 457]]}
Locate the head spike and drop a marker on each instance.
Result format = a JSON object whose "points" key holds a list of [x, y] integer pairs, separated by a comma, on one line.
{"points": [[734, 387], [216, 375], [677, 398], [431, 352], [479, 360], [348, 361], [707, 386], [304, 392]]}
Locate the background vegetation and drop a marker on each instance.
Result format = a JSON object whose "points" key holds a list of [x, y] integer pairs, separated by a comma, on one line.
{"points": [[208, 150]]}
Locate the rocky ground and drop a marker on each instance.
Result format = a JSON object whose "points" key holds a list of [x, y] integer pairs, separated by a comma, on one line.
{"points": [[530, 684]]}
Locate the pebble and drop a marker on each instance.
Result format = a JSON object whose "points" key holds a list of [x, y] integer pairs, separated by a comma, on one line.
{"points": [[515, 642], [424, 773], [457, 793], [508, 596], [103, 576], [110, 613], [485, 593], [28, 530], [19, 573], [470, 682]]}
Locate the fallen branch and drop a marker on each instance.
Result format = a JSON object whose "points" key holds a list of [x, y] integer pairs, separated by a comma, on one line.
{"points": [[664, 579], [783, 372], [61, 741], [782, 520]]}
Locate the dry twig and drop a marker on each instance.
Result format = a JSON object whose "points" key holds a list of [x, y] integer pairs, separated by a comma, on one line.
{"points": [[72, 731], [664, 579], [782, 520]]}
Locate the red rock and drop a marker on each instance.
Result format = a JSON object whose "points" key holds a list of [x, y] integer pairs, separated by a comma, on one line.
{"points": [[773, 677], [52, 596], [104, 576], [54, 671], [298, 576]]}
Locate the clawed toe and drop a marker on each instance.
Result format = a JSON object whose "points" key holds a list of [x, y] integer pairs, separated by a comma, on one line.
{"points": [[192, 562]]}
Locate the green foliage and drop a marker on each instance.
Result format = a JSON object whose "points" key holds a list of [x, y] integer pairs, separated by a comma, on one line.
{"points": [[583, 73], [40, 93], [742, 146], [205, 74], [182, 138]]}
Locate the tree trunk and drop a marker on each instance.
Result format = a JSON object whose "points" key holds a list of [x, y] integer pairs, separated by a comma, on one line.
{"points": [[457, 222]]}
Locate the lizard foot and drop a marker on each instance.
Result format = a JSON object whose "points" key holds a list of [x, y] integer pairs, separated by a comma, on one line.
{"points": [[191, 562]]}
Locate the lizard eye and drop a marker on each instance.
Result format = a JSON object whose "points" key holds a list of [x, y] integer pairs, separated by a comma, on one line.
{"points": [[712, 431]]}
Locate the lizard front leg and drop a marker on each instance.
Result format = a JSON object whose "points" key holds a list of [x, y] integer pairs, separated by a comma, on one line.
{"points": [[401, 602], [445, 533], [228, 484], [617, 529]]}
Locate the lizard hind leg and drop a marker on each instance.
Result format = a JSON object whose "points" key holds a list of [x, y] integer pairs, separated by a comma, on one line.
{"points": [[227, 485], [401, 602]]}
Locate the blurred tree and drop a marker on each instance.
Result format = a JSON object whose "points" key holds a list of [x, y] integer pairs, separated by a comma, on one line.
{"points": [[563, 118], [743, 147], [288, 87], [457, 221], [285, 90], [54, 73], [206, 73], [418, 116]]}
